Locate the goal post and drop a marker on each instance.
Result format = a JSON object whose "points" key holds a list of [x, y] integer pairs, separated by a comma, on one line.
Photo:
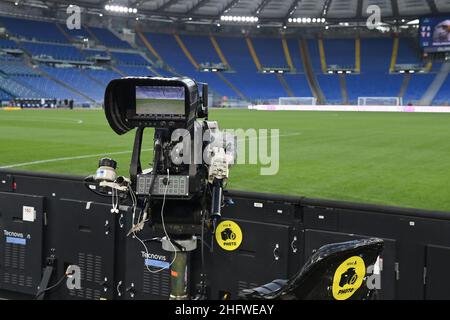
{"points": [[380, 101], [290, 101]]}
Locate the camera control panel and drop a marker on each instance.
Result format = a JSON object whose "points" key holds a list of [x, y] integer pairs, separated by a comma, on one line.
{"points": [[172, 186]]}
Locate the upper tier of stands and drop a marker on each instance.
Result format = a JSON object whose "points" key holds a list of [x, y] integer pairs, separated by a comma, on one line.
{"points": [[108, 38], [33, 30], [340, 52], [270, 52], [201, 49]]}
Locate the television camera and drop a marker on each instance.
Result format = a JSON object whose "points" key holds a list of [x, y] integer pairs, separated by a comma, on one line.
{"points": [[181, 195]]}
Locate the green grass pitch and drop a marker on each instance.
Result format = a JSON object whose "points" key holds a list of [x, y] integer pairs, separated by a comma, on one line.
{"points": [[383, 158]]}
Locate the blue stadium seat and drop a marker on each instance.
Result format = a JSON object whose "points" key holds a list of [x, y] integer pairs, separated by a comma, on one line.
{"points": [[31, 29], [109, 39], [329, 83], [443, 96], [102, 75], [17, 89], [16, 68], [8, 44], [135, 71], [374, 80], [201, 48], [294, 50], [270, 52], [314, 55], [55, 51], [172, 54], [49, 88], [252, 84], [417, 86], [129, 58], [340, 52], [5, 96], [408, 52], [298, 84], [76, 33], [75, 78]]}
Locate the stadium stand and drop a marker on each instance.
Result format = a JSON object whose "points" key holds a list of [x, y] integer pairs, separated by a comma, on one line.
{"points": [[294, 50], [53, 51], [418, 84], [50, 88], [16, 89], [201, 49], [75, 78], [8, 44], [76, 34], [188, 54], [408, 52], [443, 95], [374, 80], [102, 76], [270, 52], [246, 77], [33, 30], [340, 52], [108, 38], [135, 71], [129, 58], [329, 83], [172, 54], [90, 54], [16, 68]]}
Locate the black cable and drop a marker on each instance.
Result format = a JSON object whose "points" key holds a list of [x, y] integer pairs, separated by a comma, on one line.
{"points": [[53, 286]]}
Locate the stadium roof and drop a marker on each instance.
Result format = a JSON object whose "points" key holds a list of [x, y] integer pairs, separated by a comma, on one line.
{"points": [[265, 10]]}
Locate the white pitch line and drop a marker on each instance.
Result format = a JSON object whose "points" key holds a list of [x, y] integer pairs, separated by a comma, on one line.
{"points": [[23, 164]]}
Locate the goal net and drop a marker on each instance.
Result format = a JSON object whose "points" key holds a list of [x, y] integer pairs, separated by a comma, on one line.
{"points": [[289, 101], [380, 101]]}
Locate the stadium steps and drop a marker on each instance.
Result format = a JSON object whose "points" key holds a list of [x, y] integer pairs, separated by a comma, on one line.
{"points": [[343, 86], [186, 51], [253, 53], [148, 45], [115, 69], [310, 75], [405, 84], [394, 55], [61, 29], [285, 85], [358, 55], [65, 85], [92, 35], [323, 60], [232, 86], [287, 54], [436, 85], [219, 51]]}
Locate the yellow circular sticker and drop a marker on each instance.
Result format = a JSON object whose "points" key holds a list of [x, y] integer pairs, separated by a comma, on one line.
{"points": [[348, 278], [228, 235]]}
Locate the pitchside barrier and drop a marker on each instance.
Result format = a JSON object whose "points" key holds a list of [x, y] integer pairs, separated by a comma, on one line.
{"points": [[381, 108], [51, 221]]}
